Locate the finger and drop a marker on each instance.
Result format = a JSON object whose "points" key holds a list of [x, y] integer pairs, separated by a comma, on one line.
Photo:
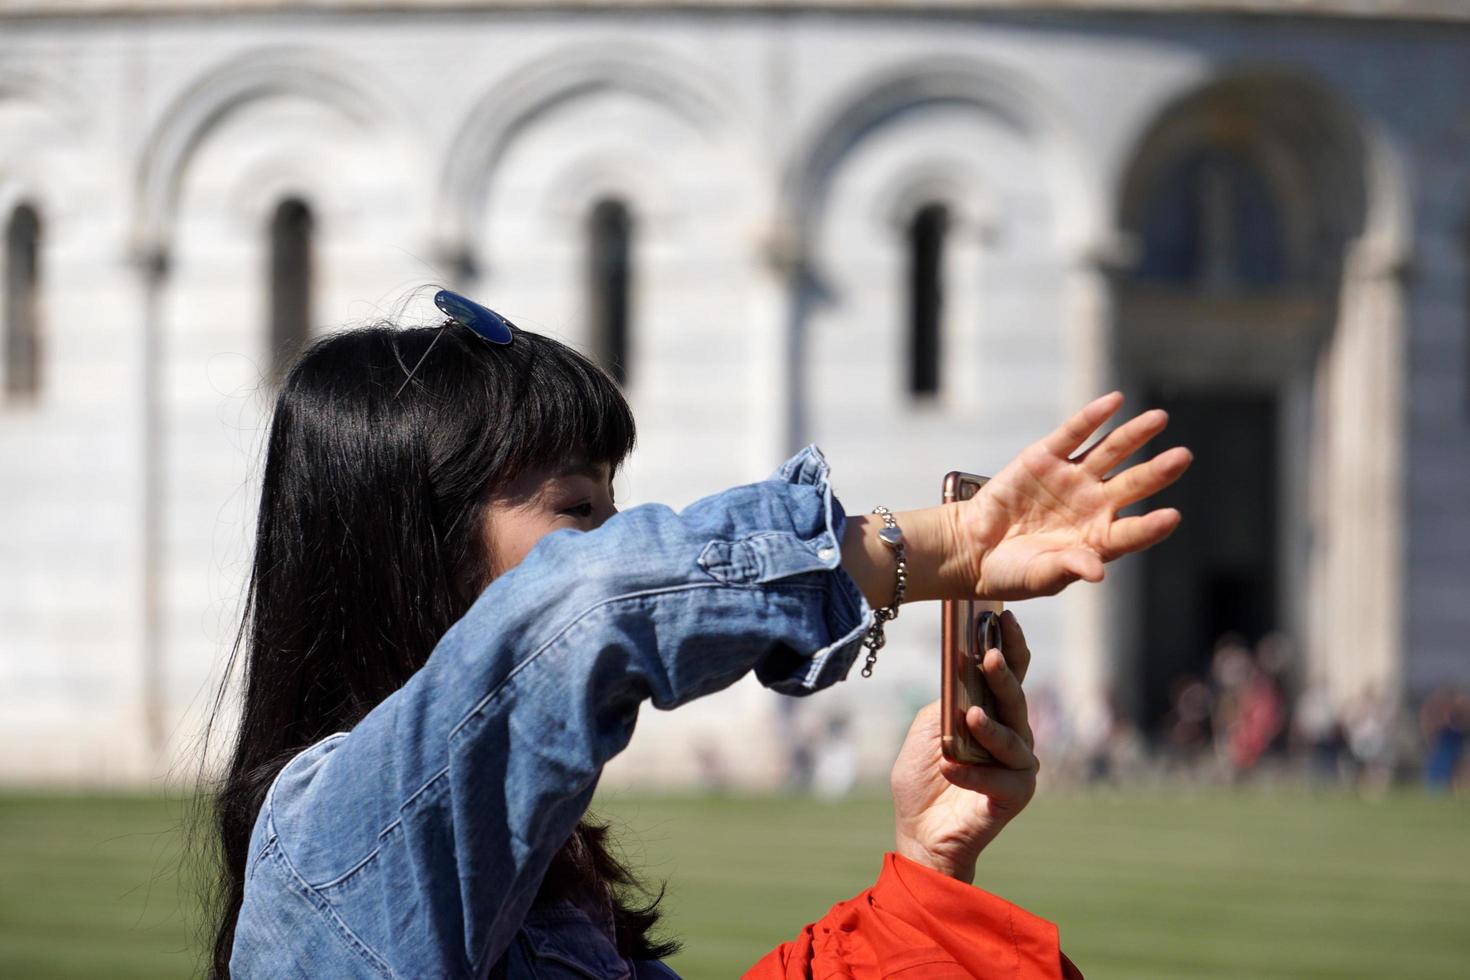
{"points": [[1010, 788], [1013, 645], [1074, 432], [1004, 745], [1010, 700], [1123, 442], [1137, 533], [1056, 570], [1147, 478]]}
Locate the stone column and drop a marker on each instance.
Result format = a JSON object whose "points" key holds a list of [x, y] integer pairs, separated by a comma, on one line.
{"points": [[1093, 652], [1356, 565], [151, 262], [776, 321]]}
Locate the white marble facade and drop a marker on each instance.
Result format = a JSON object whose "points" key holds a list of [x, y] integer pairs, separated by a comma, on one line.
{"points": [[772, 158]]}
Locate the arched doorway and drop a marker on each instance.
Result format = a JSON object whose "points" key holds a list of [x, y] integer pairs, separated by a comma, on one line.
{"points": [[1241, 206]]}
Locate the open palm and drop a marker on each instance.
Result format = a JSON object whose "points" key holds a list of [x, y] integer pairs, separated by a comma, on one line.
{"points": [[1048, 519]]}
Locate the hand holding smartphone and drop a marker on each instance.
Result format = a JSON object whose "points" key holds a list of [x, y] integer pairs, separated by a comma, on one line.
{"points": [[969, 628]]}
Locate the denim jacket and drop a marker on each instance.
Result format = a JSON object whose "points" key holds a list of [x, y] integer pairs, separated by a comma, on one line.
{"points": [[412, 847]]}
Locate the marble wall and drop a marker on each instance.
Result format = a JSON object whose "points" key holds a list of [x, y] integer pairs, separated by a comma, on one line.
{"points": [[772, 161]]}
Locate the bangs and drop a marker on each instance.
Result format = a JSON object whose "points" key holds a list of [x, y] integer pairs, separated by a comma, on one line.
{"points": [[533, 404], [573, 411]]}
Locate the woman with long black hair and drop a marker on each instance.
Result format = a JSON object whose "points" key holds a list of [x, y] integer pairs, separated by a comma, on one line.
{"points": [[449, 630]]}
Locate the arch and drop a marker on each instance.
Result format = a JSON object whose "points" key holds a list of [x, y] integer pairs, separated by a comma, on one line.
{"points": [[577, 188], [1004, 95], [1337, 193], [40, 178], [55, 96], [971, 206], [317, 75], [531, 92], [1314, 369], [1291, 133]]}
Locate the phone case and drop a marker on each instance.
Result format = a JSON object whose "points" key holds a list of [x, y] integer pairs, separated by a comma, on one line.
{"points": [[967, 630]]}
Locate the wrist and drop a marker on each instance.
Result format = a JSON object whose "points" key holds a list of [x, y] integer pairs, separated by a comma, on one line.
{"points": [[975, 529], [960, 870], [946, 552], [964, 550], [937, 569]]}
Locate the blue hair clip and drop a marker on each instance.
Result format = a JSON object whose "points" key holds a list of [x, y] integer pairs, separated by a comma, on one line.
{"points": [[483, 321]]}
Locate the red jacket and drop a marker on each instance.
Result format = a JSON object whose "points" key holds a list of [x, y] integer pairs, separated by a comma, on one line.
{"points": [[916, 923]]}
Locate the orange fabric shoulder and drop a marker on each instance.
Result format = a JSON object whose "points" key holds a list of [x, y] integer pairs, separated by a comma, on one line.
{"points": [[916, 923]]}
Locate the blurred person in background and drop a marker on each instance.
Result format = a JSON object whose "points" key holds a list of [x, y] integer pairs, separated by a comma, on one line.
{"points": [[1187, 727], [450, 628], [1317, 734], [1276, 657], [797, 743], [712, 775], [1259, 717], [1369, 723], [836, 770], [1052, 728], [1444, 721], [1230, 670], [1113, 747]]}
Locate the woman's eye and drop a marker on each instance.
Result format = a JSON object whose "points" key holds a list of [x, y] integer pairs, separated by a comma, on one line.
{"points": [[581, 511]]}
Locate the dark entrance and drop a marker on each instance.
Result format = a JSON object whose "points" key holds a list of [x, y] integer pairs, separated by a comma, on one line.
{"points": [[1217, 572]]}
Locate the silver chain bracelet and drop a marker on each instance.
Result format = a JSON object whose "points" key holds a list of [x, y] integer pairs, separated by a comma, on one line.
{"points": [[890, 535]]}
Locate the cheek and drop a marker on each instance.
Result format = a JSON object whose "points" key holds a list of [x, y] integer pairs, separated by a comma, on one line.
{"points": [[513, 536]]}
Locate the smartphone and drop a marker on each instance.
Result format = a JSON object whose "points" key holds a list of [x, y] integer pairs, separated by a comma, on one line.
{"points": [[968, 629]]}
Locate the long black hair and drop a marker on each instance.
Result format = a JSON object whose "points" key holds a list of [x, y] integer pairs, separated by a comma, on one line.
{"points": [[370, 544]]}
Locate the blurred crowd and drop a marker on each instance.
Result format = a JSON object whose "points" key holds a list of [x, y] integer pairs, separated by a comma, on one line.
{"points": [[1252, 718]]}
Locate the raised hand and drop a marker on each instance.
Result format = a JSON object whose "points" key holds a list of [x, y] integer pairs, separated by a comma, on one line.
{"points": [[946, 812], [1049, 518]]}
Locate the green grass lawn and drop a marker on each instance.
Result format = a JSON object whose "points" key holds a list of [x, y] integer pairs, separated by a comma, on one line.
{"points": [[1142, 885]]}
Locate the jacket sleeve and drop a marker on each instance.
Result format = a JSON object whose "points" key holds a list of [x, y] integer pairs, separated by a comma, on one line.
{"points": [[913, 923], [418, 840]]}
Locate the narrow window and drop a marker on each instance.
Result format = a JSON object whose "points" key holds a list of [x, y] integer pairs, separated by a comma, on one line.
{"points": [[22, 304], [291, 230], [926, 269], [610, 271]]}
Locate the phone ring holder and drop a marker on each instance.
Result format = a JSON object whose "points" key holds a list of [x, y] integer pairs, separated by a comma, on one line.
{"points": [[987, 636]]}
